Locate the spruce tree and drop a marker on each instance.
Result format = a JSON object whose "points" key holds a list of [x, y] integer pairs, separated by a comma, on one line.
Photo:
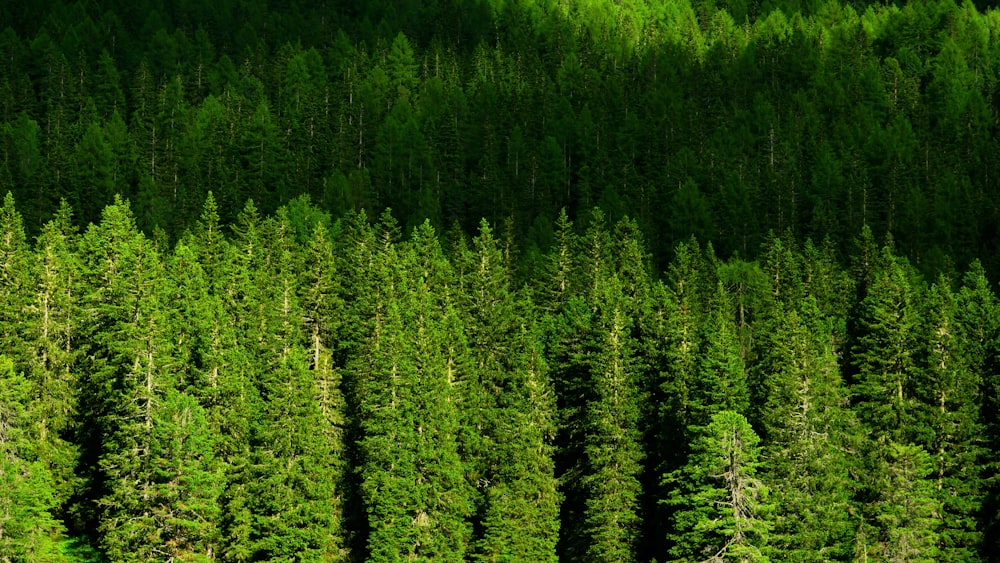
{"points": [[52, 348], [906, 512], [188, 480], [721, 383], [807, 433], [28, 490], [324, 314], [950, 387], [978, 321], [412, 477], [884, 354], [723, 510], [613, 440], [293, 478], [684, 299], [508, 411], [148, 482], [14, 259]]}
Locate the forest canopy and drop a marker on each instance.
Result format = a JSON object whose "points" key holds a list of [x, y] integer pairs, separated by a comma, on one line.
{"points": [[499, 281]]}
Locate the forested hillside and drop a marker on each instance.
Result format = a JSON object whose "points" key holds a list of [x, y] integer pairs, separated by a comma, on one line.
{"points": [[719, 119], [352, 392], [491, 281]]}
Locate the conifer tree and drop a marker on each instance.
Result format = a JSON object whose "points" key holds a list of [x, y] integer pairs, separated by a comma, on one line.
{"points": [[906, 512], [412, 478], [155, 475], [51, 326], [721, 384], [950, 387], [293, 479], [977, 320], [883, 354], [214, 372], [723, 511], [282, 499], [188, 480], [807, 436], [508, 411], [613, 441], [14, 259], [684, 298], [560, 267], [28, 497]]}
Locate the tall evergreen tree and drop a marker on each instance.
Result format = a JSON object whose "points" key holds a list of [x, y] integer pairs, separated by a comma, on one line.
{"points": [[412, 478], [723, 510], [808, 433], [613, 441], [154, 478], [884, 354], [293, 479], [950, 388], [52, 345], [906, 512], [14, 259], [508, 411], [721, 384], [28, 497]]}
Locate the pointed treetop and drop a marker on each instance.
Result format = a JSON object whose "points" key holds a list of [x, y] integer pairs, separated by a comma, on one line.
{"points": [[63, 219], [210, 213]]}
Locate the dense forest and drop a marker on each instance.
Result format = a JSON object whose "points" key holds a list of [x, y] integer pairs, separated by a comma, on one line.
{"points": [[498, 281]]}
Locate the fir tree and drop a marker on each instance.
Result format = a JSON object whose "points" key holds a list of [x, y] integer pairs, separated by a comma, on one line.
{"points": [[722, 506], [950, 387], [884, 352], [508, 411], [807, 431], [906, 510], [613, 441], [28, 491], [412, 476], [293, 484], [14, 259], [52, 344], [721, 383]]}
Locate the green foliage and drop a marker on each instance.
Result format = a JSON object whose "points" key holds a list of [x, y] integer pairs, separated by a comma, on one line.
{"points": [[884, 353], [29, 530], [612, 444], [723, 507], [808, 436], [509, 418], [294, 381]]}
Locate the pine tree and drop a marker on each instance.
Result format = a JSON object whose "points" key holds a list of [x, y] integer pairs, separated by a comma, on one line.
{"points": [[28, 491], [157, 485], [213, 370], [950, 387], [14, 257], [508, 411], [806, 429], [412, 478], [722, 506], [883, 354], [282, 497], [293, 479], [613, 441], [906, 511], [977, 321], [188, 480], [721, 384], [52, 348], [685, 300], [325, 314], [124, 352]]}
